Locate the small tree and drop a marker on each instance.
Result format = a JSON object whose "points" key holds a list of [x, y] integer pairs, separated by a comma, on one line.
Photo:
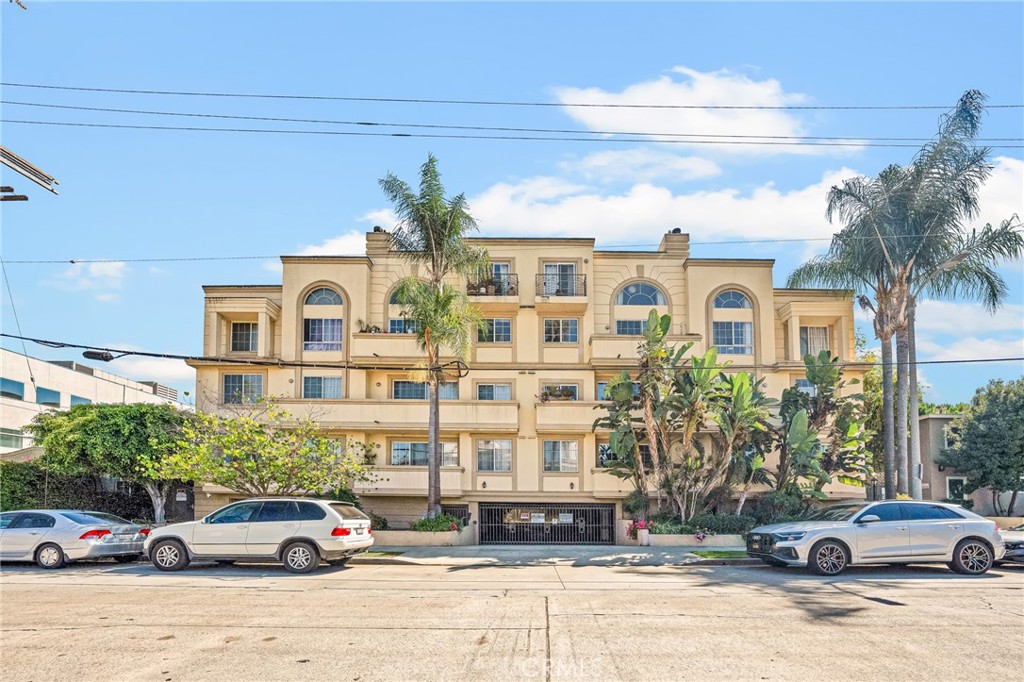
{"points": [[265, 452], [121, 441], [988, 441]]}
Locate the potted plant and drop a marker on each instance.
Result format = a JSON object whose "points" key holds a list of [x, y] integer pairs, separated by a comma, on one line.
{"points": [[490, 288]]}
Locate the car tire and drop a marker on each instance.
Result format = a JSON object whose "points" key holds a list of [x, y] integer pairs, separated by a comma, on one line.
{"points": [[127, 559], [972, 557], [300, 557], [169, 555], [338, 562], [50, 555], [828, 558]]}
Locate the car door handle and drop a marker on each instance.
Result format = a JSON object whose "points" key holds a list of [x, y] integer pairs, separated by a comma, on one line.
{"points": [[34, 533], [901, 528]]}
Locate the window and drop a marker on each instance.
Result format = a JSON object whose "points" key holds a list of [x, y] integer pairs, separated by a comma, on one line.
{"points": [[9, 388], [885, 512], [402, 326], [393, 299], [805, 386], [418, 390], [497, 330], [321, 334], [928, 512], [347, 511], [813, 340], [630, 327], [640, 293], [34, 520], [46, 396], [734, 338], [602, 390], [605, 456], [561, 331], [955, 487], [559, 279], [562, 391], [244, 337], [5, 519], [408, 453], [236, 513], [277, 511], [11, 438], [321, 388], [243, 388], [310, 512], [494, 455], [79, 400], [561, 455], [92, 518], [950, 434], [494, 392], [323, 296], [732, 299]]}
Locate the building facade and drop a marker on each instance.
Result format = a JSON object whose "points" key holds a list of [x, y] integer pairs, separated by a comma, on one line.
{"points": [[29, 386], [562, 319]]}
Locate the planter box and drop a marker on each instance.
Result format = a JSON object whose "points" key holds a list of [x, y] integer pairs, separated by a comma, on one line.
{"points": [[692, 541], [413, 538], [1005, 522]]}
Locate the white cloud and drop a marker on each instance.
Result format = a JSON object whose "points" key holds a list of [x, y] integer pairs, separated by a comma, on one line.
{"points": [[970, 348], [92, 277], [384, 217], [140, 368], [947, 317], [352, 243], [107, 298], [640, 165], [688, 87], [1003, 194]]}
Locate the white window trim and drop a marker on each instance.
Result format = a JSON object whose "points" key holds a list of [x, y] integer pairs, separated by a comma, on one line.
{"points": [[962, 479]]}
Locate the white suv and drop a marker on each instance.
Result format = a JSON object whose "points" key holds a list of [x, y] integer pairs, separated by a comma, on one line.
{"points": [[296, 531]]}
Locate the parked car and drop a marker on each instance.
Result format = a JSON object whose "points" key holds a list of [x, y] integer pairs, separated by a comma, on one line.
{"points": [[296, 531], [887, 532], [1014, 540], [54, 537]]}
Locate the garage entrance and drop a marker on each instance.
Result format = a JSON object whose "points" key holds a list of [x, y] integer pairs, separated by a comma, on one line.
{"points": [[519, 523]]}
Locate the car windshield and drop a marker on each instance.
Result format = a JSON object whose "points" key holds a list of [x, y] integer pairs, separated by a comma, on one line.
{"points": [[93, 518], [838, 512], [348, 511]]}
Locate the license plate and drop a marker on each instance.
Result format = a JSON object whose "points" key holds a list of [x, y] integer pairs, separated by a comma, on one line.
{"points": [[359, 531], [126, 538], [755, 545]]}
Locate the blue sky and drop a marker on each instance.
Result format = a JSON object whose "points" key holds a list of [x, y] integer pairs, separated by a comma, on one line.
{"points": [[128, 194]]}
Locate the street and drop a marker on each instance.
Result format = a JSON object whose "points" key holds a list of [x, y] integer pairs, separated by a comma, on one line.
{"points": [[511, 622]]}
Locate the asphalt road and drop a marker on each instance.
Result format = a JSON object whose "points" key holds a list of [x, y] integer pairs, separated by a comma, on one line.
{"points": [[545, 623]]}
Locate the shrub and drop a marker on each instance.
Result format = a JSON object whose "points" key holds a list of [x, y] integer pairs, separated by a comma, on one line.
{"points": [[671, 527], [726, 524], [775, 506], [635, 503], [24, 485], [377, 522], [438, 523]]}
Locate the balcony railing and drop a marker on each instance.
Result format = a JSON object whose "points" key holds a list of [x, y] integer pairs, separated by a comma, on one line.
{"points": [[561, 285], [496, 285]]}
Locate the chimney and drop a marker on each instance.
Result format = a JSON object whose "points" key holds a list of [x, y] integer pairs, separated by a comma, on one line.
{"points": [[675, 242], [378, 242]]}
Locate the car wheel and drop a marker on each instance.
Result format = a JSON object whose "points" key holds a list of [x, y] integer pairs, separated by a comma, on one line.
{"points": [[169, 555], [828, 557], [127, 559], [301, 557], [338, 562], [50, 555], [972, 557]]}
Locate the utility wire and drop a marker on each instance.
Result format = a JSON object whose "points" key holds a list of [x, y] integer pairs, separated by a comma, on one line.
{"points": [[440, 136], [348, 365], [17, 322], [593, 105], [234, 117]]}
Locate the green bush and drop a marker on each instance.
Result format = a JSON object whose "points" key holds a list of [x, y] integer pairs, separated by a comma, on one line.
{"points": [[438, 523], [635, 504], [24, 485], [18, 486], [722, 524], [775, 506], [377, 522], [670, 527]]}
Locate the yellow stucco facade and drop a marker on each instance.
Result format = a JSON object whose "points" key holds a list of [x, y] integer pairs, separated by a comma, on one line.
{"points": [[566, 326]]}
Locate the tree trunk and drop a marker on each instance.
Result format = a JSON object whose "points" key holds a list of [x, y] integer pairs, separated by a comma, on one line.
{"points": [[743, 495], [157, 497], [916, 489], [888, 438], [434, 451], [1013, 503], [902, 421]]}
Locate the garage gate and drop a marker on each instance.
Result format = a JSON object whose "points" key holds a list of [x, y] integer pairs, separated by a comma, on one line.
{"points": [[517, 523]]}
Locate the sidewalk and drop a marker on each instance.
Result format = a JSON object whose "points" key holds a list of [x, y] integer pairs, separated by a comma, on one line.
{"points": [[539, 555]]}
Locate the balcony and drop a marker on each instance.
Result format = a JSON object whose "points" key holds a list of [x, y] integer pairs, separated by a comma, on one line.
{"points": [[614, 350], [495, 293], [561, 293], [561, 416], [406, 480], [370, 347], [409, 416]]}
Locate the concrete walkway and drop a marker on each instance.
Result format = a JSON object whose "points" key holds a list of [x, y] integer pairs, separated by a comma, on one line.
{"points": [[539, 555]]}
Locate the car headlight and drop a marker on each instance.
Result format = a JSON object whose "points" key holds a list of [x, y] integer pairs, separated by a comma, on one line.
{"points": [[1015, 545], [790, 537]]}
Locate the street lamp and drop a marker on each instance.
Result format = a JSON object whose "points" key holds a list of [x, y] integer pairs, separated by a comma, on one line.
{"points": [[102, 355]]}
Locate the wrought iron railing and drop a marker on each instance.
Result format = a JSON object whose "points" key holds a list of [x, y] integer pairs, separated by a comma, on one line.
{"points": [[561, 285], [495, 285]]}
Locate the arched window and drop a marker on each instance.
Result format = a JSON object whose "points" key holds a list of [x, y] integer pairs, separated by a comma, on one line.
{"points": [[394, 298], [732, 299], [323, 296], [640, 293]]}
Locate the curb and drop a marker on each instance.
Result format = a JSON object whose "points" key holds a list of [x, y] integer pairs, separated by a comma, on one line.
{"points": [[398, 561]]}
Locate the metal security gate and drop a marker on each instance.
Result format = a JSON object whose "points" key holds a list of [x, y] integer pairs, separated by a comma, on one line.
{"points": [[518, 523]]}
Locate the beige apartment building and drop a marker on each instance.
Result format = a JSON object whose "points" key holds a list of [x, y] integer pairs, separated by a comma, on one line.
{"points": [[562, 318]]}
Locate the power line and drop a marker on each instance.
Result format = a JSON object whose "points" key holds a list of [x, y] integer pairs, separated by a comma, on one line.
{"points": [[349, 365], [17, 322], [438, 126], [420, 100]]}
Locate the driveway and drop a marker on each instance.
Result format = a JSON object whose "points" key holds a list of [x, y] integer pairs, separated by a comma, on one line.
{"points": [[513, 622]]}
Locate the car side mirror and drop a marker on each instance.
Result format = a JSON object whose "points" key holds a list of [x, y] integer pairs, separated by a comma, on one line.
{"points": [[206, 519], [868, 518]]}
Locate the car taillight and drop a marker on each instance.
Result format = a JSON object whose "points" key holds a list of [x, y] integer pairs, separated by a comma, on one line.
{"points": [[369, 531], [340, 532], [144, 531], [94, 534]]}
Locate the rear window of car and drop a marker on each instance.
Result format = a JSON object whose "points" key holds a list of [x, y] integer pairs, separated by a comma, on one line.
{"points": [[310, 512], [347, 511], [95, 518], [925, 512]]}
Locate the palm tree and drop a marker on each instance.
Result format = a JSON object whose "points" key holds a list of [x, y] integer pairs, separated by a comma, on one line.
{"points": [[431, 231]]}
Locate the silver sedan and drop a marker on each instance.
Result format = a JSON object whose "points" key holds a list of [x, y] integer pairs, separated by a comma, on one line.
{"points": [[53, 537], [888, 532]]}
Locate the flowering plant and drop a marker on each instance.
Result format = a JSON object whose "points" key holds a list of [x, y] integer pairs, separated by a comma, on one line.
{"points": [[640, 524], [700, 535]]}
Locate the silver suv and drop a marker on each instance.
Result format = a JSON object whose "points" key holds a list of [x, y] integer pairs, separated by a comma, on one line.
{"points": [[297, 531], [888, 532]]}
